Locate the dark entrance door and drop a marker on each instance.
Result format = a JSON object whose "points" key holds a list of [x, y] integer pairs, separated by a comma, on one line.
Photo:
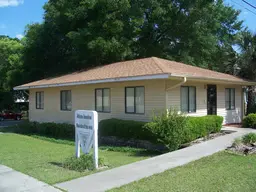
{"points": [[211, 100]]}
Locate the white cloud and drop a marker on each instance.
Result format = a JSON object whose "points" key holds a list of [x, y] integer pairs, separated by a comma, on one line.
{"points": [[2, 26], [19, 36], [6, 3]]}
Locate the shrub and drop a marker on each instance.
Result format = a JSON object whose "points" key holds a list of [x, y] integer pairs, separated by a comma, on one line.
{"points": [[55, 130], [173, 129], [202, 126], [169, 128], [250, 121], [85, 162], [126, 129], [195, 128], [249, 138]]}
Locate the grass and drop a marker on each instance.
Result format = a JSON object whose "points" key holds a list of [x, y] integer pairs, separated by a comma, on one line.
{"points": [[42, 157], [220, 172]]}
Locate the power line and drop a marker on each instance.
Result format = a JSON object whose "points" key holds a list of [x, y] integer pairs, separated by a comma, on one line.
{"points": [[244, 7], [249, 4]]}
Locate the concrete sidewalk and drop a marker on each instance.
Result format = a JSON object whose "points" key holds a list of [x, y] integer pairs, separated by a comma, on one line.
{"points": [[117, 177], [14, 181]]}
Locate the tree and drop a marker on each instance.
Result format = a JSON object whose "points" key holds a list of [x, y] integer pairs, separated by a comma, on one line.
{"points": [[11, 69], [80, 34], [11, 64]]}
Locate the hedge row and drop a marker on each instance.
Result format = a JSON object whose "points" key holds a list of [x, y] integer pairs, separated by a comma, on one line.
{"points": [[126, 129], [55, 130], [163, 128], [202, 126]]}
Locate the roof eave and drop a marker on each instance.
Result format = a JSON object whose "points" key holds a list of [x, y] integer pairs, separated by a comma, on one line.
{"points": [[137, 78]]}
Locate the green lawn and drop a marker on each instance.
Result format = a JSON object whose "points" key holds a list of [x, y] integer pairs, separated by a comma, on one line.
{"points": [[42, 159], [220, 172]]}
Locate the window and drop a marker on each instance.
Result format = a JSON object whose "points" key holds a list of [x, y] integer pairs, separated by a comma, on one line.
{"points": [[40, 100], [188, 99], [65, 101], [230, 98], [134, 100], [102, 100]]}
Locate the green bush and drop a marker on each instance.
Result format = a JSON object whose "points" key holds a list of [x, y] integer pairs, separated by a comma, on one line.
{"points": [[250, 121], [85, 162], [173, 129], [55, 130], [249, 138], [126, 129], [169, 128], [202, 126]]}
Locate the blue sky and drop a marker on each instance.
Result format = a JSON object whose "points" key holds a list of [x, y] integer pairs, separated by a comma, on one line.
{"points": [[248, 16], [16, 14]]}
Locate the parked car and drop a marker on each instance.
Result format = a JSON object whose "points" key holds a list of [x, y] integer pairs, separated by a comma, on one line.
{"points": [[10, 115]]}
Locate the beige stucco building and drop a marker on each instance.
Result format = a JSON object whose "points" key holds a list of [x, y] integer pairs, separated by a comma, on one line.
{"points": [[134, 89]]}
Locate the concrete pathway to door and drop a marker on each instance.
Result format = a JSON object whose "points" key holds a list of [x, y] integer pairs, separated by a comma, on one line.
{"points": [[117, 177], [14, 181]]}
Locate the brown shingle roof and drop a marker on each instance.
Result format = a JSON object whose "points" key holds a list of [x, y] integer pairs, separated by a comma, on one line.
{"points": [[135, 68]]}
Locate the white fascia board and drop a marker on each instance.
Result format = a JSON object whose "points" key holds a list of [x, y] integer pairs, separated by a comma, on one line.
{"points": [[112, 80]]}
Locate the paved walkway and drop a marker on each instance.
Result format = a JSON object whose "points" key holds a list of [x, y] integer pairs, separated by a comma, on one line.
{"points": [[14, 181], [117, 177]]}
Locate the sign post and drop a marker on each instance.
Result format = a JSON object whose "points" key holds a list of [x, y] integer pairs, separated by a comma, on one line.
{"points": [[86, 133]]}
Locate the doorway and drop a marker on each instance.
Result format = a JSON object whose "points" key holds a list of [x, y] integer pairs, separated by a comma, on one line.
{"points": [[211, 100]]}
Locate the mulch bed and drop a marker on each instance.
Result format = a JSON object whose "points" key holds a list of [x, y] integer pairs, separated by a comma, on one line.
{"points": [[243, 149]]}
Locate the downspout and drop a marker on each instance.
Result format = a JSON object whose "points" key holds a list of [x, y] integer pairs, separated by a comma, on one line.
{"points": [[174, 86], [177, 85]]}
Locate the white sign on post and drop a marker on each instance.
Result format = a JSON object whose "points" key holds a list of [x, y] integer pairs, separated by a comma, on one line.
{"points": [[86, 124]]}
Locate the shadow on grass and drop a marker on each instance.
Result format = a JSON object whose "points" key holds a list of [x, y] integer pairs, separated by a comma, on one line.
{"points": [[57, 164], [147, 153], [132, 151]]}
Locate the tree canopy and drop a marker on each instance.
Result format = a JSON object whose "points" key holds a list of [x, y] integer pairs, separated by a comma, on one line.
{"points": [[80, 34], [11, 68]]}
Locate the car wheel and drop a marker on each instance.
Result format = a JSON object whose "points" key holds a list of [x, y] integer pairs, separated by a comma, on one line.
{"points": [[18, 118], [1, 118]]}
